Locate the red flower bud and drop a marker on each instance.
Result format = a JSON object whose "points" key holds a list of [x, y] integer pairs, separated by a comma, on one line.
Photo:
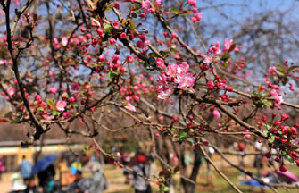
{"points": [[283, 168], [284, 117]]}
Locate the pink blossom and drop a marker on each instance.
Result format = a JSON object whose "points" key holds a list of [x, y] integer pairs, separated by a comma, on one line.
{"points": [[216, 114], [272, 69], [130, 59], [100, 32], [162, 82], [115, 58], [227, 44], [161, 118], [185, 80], [53, 90], [47, 117], [74, 41], [130, 107], [247, 136], [273, 92], [112, 41], [164, 94], [64, 41], [173, 35], [117, 5], [75, 86], [146, 6], [160, 62], [10, 91], [278, 99], [191, 2], [60, 105], [198, 16], [172, 70], [115, 25], [175, 118], [210, 84], [66, 115], [101, 58], [140, 44], [207, 59], [221, 84], [56, 43], [183, 67], [123, 35], [216, 48], [82, 39]]}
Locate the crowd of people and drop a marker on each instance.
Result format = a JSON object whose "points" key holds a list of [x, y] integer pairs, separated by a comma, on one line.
{"points": [[33, 178], [138, 169], [74, 182]]}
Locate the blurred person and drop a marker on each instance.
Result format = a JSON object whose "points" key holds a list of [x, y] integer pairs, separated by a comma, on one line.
{"points": [[74, 187], [141, 171], [46, 179], [241, 147], [98, 181], [257, 162], [76, 166], [31, 186], [125, 161], [25, 169]]}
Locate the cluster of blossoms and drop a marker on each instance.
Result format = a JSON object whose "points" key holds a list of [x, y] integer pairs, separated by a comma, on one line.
{"points": [[174, 73]]}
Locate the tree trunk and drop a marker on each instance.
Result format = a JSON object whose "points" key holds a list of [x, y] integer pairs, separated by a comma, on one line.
{"points": [[187, 185]]}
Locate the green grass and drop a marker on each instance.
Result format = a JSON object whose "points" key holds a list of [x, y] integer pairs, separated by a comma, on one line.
{"points": [[219, 185]]}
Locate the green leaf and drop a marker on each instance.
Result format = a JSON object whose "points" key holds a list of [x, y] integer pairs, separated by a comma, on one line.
{"points": [[266, 102], [107, 28], [183, 135], [153, 54], [86, 148], [166, 189], [56, 113], [51, 103], [271, 139], [40, 108], [225, 64], [109, 7], [190, 141], [292, 68], [65, 95], [281, 68], [132, 24], [266, 133], [173, 10], [109, 74], [164, 52]]}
